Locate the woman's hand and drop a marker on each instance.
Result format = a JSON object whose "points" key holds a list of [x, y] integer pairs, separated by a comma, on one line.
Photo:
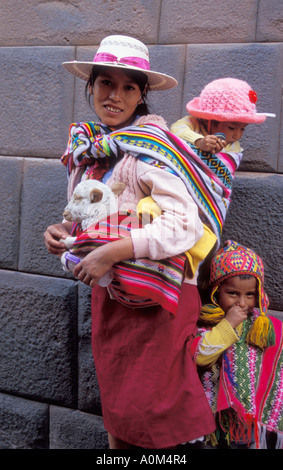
{"points": [[236, 315], [52, 236], [210, 143], [99, 261]]}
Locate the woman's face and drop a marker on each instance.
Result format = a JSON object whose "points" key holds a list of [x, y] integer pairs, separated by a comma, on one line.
{"points": [[115, 98]]}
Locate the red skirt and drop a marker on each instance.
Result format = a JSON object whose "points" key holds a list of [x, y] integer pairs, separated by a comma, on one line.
{"points": [[150, 391]]}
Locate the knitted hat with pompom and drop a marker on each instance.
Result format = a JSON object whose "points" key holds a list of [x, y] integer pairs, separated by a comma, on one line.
{"points": [[235, 259], [227, 99]]}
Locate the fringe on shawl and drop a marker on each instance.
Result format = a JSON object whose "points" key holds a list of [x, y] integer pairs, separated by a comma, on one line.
{"points": [[233, 427]]}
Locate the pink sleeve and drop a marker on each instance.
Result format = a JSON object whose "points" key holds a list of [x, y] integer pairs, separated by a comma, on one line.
{"points": [[178, 228]]}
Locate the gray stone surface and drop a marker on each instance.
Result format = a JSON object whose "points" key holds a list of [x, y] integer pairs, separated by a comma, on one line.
{"points": [[72, 429], [270, 21], [38, 337], [36, 104], [44, 196], [10, 209], [81, 23], [202, 21], [255, 220], [24, 423]]}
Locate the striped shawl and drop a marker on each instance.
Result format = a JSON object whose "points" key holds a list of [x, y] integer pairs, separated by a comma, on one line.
{"points": [[207, 177], [136, 282]]}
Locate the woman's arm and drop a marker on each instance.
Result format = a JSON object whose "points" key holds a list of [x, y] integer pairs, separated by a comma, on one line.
{"points": [[178, 228], [99, 261]]}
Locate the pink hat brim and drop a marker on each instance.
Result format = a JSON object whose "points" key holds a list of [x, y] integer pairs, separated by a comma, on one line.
{"points": [[194, 109]]}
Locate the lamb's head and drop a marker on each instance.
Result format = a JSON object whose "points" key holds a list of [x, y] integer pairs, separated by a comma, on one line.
{"points": [[92, 201]]}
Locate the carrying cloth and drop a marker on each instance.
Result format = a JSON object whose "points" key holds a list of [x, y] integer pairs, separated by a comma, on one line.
{"points": [[207, 177], [137, 282]]}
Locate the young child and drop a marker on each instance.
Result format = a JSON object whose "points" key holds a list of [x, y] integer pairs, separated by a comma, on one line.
{"points": [[225, 107], [238, 350]]}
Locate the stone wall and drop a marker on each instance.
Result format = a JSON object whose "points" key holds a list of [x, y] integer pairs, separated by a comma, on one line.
{"points": [[49, 397]]}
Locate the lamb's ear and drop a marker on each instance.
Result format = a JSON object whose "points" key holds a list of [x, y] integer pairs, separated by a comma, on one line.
{"points": [[95, 195], [118, 188]]}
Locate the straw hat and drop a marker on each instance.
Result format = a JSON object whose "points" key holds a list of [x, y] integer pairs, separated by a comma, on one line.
{"points": [[227, 99], [122, 52]]}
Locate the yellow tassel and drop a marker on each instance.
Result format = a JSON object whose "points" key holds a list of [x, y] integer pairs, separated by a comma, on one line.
{"points": [[211, 313], [262, 333], [211, 439]]}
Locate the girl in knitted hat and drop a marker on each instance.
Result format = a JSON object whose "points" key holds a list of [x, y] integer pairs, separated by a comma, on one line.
{"points": [[238, 351], [150, 391], [218, 117]]}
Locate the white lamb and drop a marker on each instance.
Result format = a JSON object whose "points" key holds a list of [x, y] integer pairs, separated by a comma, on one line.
{"points": [[91, 202]]}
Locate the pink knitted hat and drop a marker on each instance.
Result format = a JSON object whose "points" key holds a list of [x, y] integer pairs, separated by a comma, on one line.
{"points": [[227, 99]]}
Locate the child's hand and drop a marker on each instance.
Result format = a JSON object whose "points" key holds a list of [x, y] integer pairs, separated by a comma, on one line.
{"points": [[236, 315], [210, 143]]}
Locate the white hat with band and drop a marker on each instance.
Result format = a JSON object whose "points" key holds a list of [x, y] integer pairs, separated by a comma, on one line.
{"points": [[122, 52]]}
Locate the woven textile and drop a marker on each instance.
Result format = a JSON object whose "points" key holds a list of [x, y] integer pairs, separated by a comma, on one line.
{"points": [[248, 380], [137, 282], [208, 182]]}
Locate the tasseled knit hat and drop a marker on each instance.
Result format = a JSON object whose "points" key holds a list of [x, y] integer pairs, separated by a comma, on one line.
{"points": [[227, 99], [235, 259]]}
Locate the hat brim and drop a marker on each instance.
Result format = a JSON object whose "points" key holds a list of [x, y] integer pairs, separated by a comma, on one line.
{"points": [[157, 81], [194, 109]]}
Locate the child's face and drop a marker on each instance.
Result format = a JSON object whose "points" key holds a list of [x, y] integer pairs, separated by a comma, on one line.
{"points": [[232, 130], [115, 98], [237, 291]]}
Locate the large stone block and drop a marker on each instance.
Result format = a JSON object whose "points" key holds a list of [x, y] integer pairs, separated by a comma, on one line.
{"points": [[44, 197], [38, 337], [24, 424], [88, 388], [262, 67], [64, 23], [71, 429], [280, 157], [270, 21], [170, 60], [164, 59], [200, 21], [10, 209], [36, 105], [255, 220]]}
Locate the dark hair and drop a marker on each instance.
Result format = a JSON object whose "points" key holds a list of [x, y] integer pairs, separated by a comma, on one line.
{"points": [[204, 123], [139, 78]]}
